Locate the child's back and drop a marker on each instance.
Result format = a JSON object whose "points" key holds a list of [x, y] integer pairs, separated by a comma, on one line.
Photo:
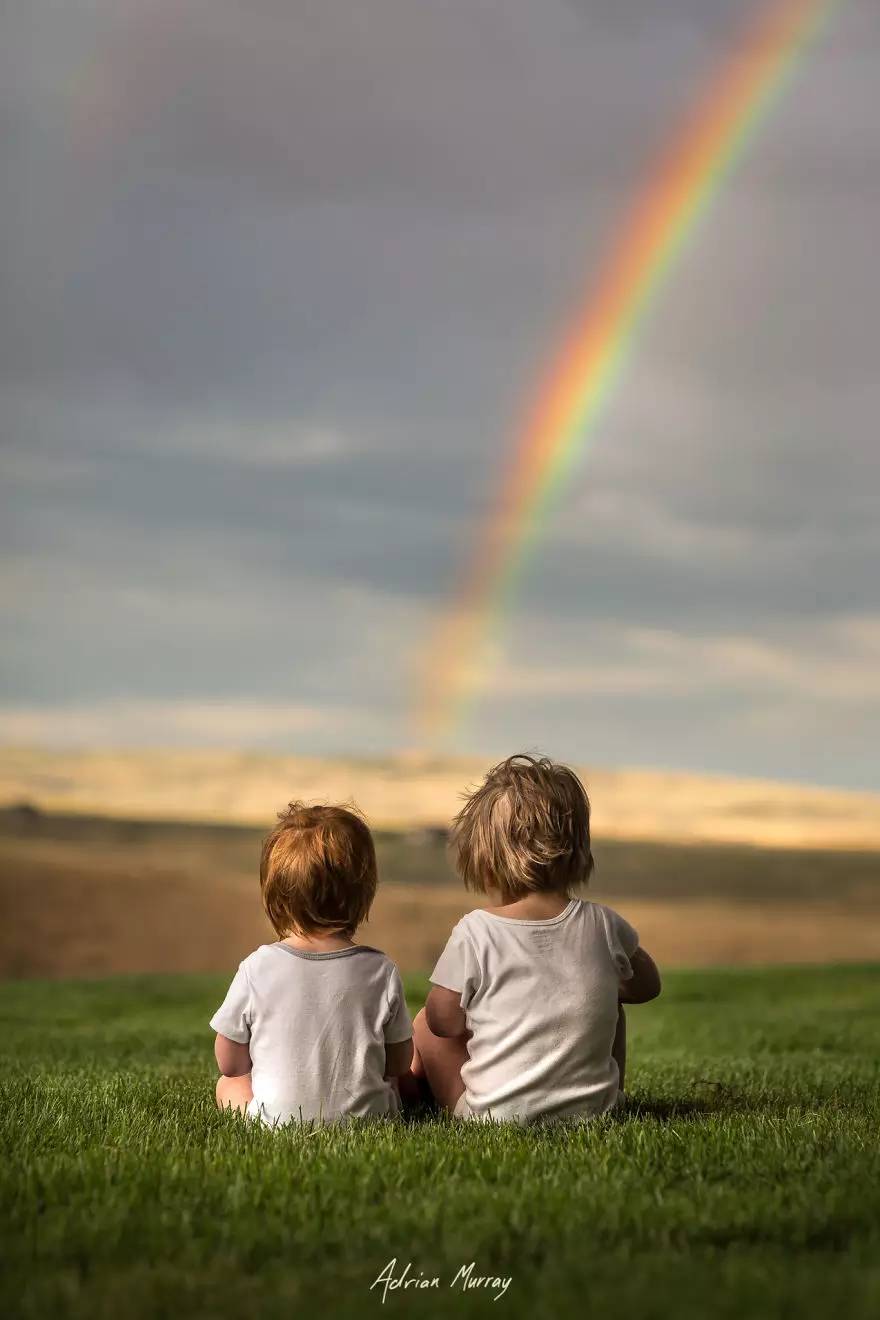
{"points": [[524, 1018], [313, 1027], [316, 1024], [540, 998]]}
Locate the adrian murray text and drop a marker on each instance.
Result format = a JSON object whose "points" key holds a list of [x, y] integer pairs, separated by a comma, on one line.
{"points": [[466, 1279]]}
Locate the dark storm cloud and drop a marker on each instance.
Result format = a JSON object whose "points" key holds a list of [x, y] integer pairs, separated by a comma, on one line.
{"points": [[279, 282]]}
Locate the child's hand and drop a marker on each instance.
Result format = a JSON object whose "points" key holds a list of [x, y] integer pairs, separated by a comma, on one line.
{"points": [[644, 984]]}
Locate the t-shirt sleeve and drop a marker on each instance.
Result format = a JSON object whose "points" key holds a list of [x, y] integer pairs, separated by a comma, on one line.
{"points": [[623, 940], [456, 967], [398, 1024], [233, 1017]]}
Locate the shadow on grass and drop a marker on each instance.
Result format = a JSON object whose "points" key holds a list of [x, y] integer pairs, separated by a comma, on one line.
{"points": [[705, 1099], [426, 1109], [669, 1111]]}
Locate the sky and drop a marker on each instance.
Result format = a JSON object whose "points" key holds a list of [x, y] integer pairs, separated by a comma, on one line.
{"points": [[280, 280]]}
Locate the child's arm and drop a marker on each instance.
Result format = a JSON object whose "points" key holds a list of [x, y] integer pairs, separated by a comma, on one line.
{"points": [[232, 1023], [233, 1059], [444, 1013], [644, 984], [398, 1057], [398, 1028]]}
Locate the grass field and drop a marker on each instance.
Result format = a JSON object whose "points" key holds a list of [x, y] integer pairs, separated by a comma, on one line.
{"points": [[744, 1181]]}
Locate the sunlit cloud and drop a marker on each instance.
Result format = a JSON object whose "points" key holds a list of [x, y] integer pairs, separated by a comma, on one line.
{"points": [[232, 723]]}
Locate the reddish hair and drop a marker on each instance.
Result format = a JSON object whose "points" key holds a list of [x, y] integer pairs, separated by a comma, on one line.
{"points": [[318, 870]]}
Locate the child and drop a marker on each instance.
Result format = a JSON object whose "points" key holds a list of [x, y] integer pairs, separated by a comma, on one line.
{"points": [[523, 1020], [314, 1026]]}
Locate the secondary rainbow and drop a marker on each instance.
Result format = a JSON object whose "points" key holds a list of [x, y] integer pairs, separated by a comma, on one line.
{"points": [[584, 375]]}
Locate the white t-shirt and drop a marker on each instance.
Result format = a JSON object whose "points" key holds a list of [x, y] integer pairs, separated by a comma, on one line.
{"points": [[317, 1025], [541, 999]]}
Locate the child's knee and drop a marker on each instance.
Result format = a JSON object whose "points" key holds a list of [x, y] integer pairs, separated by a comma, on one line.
{"points": [[233, 1092], [421, 1031]]}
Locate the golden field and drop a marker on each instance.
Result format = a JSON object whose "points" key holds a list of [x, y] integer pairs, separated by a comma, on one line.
{"points": [[408, 791], [147, 862]]}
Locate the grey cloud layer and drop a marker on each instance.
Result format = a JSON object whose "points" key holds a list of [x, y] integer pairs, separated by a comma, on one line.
{"points": [[279, 282]]}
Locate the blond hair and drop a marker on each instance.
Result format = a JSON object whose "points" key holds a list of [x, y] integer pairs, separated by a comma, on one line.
{"points": [[318, 871], [526, 828]]}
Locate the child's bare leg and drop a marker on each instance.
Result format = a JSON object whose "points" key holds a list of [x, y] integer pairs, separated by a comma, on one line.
{"points": [[618, 1049], [439, 1059], [234, 1092]]}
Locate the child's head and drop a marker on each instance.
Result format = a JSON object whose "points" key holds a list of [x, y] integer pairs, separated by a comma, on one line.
{"points": [[527, 828], [318, 871]]}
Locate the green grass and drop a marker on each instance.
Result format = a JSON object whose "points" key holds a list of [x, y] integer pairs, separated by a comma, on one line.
{"points": [[744, 1182]]}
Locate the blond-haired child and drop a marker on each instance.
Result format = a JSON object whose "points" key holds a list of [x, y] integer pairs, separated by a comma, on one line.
{"points": [[524, 1019], [314, 1026]]}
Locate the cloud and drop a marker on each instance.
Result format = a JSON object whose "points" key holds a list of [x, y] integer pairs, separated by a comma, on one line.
{"points": [[258, 445], [280, 284], [842, 667], [233, 723]]}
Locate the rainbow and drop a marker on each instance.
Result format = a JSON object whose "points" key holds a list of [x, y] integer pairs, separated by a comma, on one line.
{"points": [[585, 374]]}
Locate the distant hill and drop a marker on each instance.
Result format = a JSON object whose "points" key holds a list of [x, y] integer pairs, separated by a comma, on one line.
{"points": [[410, 792]]}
